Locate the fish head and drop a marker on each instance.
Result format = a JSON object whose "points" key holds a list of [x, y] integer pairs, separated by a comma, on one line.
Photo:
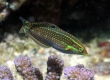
{"points": [[26, 25], [80, 50], [83, 51]]}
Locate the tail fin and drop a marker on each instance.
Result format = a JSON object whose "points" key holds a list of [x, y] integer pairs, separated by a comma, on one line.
{"points": [[22, 30], [25, 25]]}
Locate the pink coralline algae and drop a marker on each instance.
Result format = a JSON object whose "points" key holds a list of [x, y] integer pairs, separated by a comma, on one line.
{"points": [[78, 72], [54, 70], [25, 68], [5, 73]]}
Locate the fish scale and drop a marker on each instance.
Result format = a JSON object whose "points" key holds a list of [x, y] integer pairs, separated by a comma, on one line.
{"points": [[43, 30], [56, 41], [62, 37], [49, 35], [55, 36]]}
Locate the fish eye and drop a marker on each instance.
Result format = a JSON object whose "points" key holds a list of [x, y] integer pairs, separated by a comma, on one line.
{"points": [[52, 26]]}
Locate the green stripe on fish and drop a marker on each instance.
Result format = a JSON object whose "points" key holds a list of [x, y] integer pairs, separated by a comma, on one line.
{"points": [[49, 35]]}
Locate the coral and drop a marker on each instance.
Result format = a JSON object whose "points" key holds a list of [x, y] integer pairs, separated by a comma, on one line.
{"points": [[38, 73], [5, 73], [4, 11], [6, 6], [25, 68], [78, 72], [15, 4], [54, 70]]}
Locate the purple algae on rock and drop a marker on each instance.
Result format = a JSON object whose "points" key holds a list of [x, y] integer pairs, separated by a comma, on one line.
{"points": [[25, 68], [5, 73], [78, 72], [38, 74], [54, 68]]}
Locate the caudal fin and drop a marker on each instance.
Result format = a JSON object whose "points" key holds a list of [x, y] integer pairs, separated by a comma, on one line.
{"points": [[25, 23], [22, 30]]}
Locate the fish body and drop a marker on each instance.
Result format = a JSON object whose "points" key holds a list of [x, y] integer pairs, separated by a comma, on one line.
{"points": [[49, 35]]}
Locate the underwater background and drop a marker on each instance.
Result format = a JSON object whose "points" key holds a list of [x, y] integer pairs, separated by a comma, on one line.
{"points": [[88, 21]]}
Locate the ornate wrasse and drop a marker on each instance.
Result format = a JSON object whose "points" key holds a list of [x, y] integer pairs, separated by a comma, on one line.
{"points": [[49, 35]]}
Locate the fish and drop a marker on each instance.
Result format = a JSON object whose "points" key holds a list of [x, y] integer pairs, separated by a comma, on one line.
{"points": [[50, 35]]}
